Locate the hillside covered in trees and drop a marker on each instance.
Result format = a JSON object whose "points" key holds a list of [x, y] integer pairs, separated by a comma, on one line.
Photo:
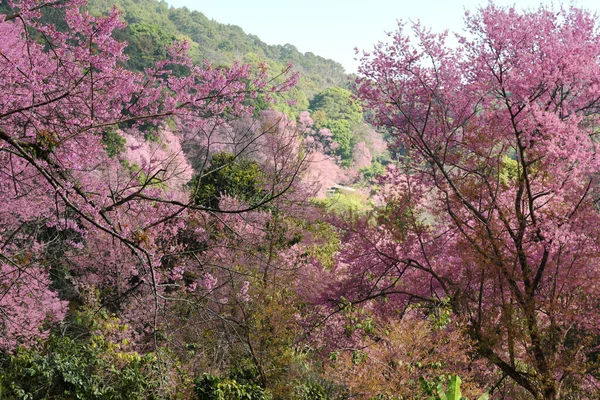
{"points": [[152, 24], [322, 88], [187, 212]]}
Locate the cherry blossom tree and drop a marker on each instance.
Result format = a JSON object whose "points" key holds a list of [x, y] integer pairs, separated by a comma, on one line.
{"points": [[63, 90], [493, 207]]}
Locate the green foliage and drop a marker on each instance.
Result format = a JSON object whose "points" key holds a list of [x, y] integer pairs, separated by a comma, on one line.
{"points": [[151, 132], [345, 203], [441, 314], [453, 392], [343, 136], [509, 170], [66, 368], [338, 104], [327, 244], [113, 142], [372, 171], [310, 391], [446, 387], [228, 175], [319, 117], [148, 180], [148, 43], [291, 103], [210, 387], [335, 109]]}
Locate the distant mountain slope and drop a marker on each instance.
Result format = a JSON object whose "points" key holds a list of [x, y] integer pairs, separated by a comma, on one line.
{"points": [[152, 24]]}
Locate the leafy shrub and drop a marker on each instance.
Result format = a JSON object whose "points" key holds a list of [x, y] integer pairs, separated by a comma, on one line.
{"points": [[210, 387], [66, 368], [228, 175]]}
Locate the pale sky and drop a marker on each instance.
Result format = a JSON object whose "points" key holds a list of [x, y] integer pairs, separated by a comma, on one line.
{"points": [[333, 28]]}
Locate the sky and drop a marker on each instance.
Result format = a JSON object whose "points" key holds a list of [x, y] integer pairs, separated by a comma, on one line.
{"points": [[333, 28]]}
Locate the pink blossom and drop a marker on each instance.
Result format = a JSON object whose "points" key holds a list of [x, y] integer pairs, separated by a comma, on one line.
{"points": [[208, 282]]}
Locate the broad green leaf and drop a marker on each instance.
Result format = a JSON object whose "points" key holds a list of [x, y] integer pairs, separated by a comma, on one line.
{"points": [[454, 388]]}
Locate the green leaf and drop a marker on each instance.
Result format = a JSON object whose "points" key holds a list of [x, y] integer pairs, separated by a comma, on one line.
{"points": [[441, 392], [454, 388]]}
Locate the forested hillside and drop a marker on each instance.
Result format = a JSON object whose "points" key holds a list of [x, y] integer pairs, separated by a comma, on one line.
{"points": [[152, 24], [322, 86]]}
